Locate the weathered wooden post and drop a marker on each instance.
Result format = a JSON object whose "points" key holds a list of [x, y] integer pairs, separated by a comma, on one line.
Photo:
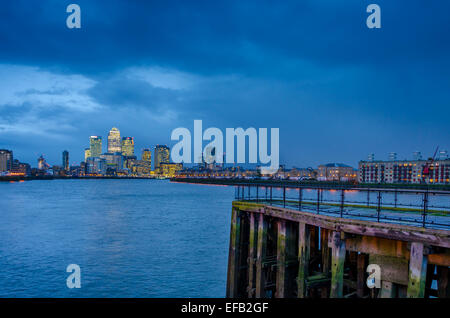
{"points": [[260, 256], [325, 259], [417, 271], [233, 255], [251, 256], [337, 267], [361, 265], [443, 285], [303, 259], [281, 260]]}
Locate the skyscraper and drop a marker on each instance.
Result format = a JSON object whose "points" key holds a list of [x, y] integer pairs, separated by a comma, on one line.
{"points": [[6, 160], [162, 155], [114, 142], [87, 154], [95, 143], [147, 155], [128, 146], [65, 160]]}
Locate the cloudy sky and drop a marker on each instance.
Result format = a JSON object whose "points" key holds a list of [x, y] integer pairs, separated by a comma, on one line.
{"points": [[336, 89]]}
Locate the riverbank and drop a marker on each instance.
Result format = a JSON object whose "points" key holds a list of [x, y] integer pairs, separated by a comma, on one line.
{"points": [[30, 178]]}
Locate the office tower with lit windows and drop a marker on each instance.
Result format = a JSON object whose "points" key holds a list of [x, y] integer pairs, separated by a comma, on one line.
{"points": [[65, 160], [162, 155], [128, 146], [87, 153], [147, 155], [95, 143], [114, 141], [6, 160]]}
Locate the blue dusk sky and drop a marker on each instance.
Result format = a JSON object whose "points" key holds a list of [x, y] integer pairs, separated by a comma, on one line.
{"points": [[335, 89]]}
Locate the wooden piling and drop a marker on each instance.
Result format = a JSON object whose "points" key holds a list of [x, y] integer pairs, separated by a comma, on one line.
{"points": [[251, 256], [442, 283], [417, 271], [361, 265], [325, 290], [233, 255], [281, 260], [337, 267], [260, 256], [303, 259]]}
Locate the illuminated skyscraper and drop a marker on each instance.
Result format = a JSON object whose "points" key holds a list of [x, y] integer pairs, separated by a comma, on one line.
{"points": [[87, 154], [95, 143], [162, 155], [6, 160], [114, 142], [128, 146], [65, 160], [147, 155]]}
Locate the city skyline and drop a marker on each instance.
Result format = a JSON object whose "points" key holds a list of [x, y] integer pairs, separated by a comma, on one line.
{"points": [[338, 92]]}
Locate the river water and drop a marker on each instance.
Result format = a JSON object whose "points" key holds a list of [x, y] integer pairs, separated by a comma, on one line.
{"points": [[131, 238]]}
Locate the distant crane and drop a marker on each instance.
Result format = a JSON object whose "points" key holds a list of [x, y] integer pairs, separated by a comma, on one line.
{"points": [[426, 168]]}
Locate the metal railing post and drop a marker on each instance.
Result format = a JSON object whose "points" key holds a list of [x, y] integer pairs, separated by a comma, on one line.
{"points": [[270, 195], [342, 202], [284, 197], [379, 206], [318, 200], [425, 208], [257, 193], [300, 195]]}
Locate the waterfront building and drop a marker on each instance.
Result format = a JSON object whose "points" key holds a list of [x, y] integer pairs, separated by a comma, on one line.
{"points": [[162, 155], [336, 172], [65, 160], [405, 171], [95, 143], [42, 164], [114, 160], [87, 153], [128, 146], [128, 161], [95, 166], [296, 174], [141, 168], [6, 160], [114, 141], [169, 170], [20, 168], [147, 155], [58, 170]]}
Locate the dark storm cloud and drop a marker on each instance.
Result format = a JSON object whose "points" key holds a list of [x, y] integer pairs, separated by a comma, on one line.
{"points": [[253, 37], [336, 89]]}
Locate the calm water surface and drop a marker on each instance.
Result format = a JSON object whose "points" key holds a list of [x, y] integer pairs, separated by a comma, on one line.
{"points": [[131, 238]]}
